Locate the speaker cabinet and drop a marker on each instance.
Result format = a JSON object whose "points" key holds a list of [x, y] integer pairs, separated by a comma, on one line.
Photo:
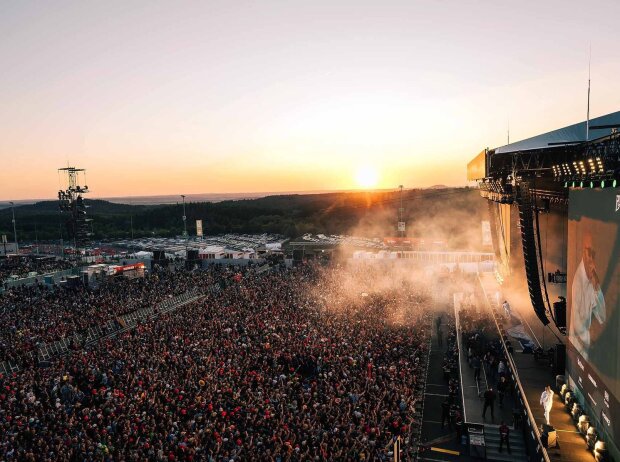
{"points": [[559, 359], [559, 311], [549, 436]]}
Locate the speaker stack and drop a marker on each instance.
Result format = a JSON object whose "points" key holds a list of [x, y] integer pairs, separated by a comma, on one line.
{"points": [[526, 220], [559, 311], [192, 259], [559, 359], [159, 257], [549, 436]]}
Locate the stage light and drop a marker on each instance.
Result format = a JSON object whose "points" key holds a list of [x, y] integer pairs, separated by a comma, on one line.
{"points": [[614, 183], [600, 445], [566, 184], [584, 424], [581, 184], [602, 183], [591, 184], [600, 452], [591, 437], [573, 184]]}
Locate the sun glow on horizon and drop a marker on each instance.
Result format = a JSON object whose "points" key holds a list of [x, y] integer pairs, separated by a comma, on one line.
{"points": [[367, 177]]}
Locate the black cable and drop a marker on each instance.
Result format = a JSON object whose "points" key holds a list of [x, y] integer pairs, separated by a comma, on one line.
{"points": [[540, 258]]}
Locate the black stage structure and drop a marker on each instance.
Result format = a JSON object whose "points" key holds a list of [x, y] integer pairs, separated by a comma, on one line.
{"points": [[529, 186]]}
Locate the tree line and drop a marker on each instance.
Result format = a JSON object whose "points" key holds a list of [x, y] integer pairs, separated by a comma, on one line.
{"points": [[434, 213]]}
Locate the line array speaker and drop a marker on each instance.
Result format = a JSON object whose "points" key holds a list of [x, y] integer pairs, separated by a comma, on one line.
{"points": [[526, 220]]}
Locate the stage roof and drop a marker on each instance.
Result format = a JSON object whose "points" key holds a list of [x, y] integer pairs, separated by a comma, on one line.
{"points": [[572, 134]]}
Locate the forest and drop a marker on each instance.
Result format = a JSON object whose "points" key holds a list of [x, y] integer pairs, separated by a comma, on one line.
{"points": [[450, 214]]}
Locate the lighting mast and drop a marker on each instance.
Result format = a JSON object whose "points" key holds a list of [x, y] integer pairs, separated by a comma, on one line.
{"points": [[401, 210]]}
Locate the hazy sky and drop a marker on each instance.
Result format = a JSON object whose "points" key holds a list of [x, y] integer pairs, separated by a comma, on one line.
{"points": [[192, 97]]}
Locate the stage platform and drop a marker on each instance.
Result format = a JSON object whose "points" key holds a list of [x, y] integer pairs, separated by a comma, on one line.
{"points": [[535, 375]]}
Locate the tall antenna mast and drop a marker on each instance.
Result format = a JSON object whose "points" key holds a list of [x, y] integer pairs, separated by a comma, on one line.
{"points": [[588, 111], [508, 131]]}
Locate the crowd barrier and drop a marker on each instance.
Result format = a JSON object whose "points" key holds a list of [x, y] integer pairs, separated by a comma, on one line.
{"points": [[111, 328], [40, 278]]}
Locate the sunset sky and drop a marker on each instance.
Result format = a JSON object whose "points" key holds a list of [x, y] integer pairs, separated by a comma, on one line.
{"points": [[249, 96]]}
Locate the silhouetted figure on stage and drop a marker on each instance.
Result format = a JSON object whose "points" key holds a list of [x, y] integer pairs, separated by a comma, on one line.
{"points": [[504, 436], [475, 362], [489, 402], [507, 310], [502, 388]]}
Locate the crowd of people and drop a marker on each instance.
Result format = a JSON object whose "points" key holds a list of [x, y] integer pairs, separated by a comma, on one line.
{"points": [[303, 364], [36, 314], [23, 265]]}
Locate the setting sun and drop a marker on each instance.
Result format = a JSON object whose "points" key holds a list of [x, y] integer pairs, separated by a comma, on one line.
{"points": [[367, 177]]}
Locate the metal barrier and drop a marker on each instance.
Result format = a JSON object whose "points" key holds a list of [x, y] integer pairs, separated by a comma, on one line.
{"points": [[109, 329], [536, 450], [27, 281]]}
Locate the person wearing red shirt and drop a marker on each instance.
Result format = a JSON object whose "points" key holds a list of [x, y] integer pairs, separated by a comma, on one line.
{"points": [[504, 436]]}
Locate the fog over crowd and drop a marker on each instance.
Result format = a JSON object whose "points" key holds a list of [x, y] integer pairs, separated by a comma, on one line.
{"points": [[311, 363]]}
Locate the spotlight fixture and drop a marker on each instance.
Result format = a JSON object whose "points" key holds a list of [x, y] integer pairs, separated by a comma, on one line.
{"points": [[591, 437], [600, 452]]}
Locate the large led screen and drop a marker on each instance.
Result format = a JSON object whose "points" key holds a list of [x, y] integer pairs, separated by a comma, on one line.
{"points": [[592, 290]]}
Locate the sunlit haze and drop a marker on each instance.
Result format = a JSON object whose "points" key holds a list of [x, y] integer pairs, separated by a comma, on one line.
{"points": [[367, 177], [198, 97]]}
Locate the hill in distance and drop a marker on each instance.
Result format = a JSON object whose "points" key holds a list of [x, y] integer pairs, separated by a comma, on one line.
{"points": [[447, 213]]}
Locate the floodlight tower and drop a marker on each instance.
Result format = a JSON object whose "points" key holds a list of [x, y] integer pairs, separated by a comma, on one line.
{"points": [[185, 235], [184, 217], [401, 212], [72, 203], [14, 229]]}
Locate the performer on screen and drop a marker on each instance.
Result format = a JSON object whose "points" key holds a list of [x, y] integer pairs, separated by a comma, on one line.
{"points": [[587, 299]]}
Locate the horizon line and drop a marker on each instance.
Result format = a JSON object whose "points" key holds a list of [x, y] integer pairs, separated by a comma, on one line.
{"points": [[257, 193]]}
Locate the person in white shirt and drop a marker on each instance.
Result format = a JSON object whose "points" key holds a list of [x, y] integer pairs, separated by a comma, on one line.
{"points": [[587, 299], [501, 368], [546, 401], [506, 307]]}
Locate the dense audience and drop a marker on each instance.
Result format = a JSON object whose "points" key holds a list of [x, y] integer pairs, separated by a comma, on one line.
{"points": [[36, 314], [22, 266], [306, 364]]}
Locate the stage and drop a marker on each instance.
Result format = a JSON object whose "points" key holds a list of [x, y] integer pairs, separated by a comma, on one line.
{"points": [[534, 374]]}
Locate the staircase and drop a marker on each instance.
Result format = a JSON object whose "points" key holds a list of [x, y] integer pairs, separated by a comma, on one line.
{"points": [[517, 445]]}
